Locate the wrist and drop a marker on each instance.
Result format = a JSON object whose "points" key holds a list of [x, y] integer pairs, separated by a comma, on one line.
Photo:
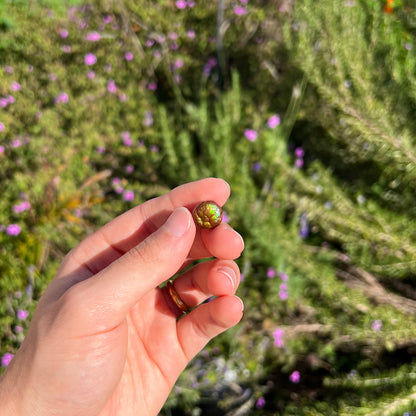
{"points": [[8, 397]]}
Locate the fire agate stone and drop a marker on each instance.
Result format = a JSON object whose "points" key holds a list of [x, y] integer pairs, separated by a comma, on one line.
{"points": [[207, 214]]}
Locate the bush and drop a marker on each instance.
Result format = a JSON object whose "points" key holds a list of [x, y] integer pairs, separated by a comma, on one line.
{"points": [[306, 111]]}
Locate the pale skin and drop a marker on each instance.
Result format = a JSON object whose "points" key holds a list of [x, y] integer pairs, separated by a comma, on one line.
{"points": [[105, 339]]}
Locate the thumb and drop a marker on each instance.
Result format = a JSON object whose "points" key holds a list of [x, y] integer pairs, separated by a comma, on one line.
{"points": [[114, 290]]}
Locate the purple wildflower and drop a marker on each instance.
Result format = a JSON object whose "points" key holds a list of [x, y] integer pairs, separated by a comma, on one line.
{"points": [[90, 59], [62, 97], [250, 134], [126, 138], [13, 230], [148, 119], [239, 10], [5, 360], [22, 314], [278, 337], [284, 276], [273, 121], [303, 226], [152, 86], [295, 377], [180, 4], [299, 152], [15, 86], [377, 325], [299, 163], [256, 166], [129, 168], [283, 295], [260, 403], [111, 86], [128, 195], [271, 272], [93, 37], [128, 56]]}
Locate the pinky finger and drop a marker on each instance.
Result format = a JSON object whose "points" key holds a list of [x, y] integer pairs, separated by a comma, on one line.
{"points": [[207, 321]]}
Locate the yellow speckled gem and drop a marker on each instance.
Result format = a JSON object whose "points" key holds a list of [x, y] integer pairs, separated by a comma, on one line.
{"points": [[207, 214]]}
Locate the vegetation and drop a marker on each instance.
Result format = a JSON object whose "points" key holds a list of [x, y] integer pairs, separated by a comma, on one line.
{"points": [[306, 108]]}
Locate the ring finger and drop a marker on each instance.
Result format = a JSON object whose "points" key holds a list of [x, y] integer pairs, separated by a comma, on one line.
{"points": [[211, 278]]}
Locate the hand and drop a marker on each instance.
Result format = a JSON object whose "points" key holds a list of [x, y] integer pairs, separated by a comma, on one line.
{"points": [[105, 339]]}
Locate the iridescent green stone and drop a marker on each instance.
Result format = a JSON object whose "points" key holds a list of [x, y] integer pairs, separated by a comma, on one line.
{"points": [[207, 214]]}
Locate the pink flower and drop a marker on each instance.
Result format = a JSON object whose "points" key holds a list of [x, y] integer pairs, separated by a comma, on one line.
{"points": [[2, 127], [250, 134], [126, 138], [283, 295], [62, 97], [91, 74], [277, 335], [284, 276], [63, 33], [93, 37], [260, 403], [191, 34], [128, 195], [181, 4], [299, 152], [152, 86], [178, 63], [128, 56], [273, 121], [18, 329], [239, 10], [295, 377], [13, 230], [15, 86], [16, 143], [90, 59], [129, 169], [23, 206], [271, 272], [377, 325], [1, 150], [5, 360], [111, 86], [299, 163], [22, 315]]}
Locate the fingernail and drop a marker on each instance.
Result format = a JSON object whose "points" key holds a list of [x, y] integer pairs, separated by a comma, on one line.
{"points": [[228, 272], [178, 223], [242, 304]]}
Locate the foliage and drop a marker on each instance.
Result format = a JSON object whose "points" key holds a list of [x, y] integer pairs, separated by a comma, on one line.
{"points": [[307, 111]]}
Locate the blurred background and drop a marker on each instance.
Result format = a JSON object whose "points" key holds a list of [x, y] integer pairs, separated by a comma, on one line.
{"points": [[307, 108]]}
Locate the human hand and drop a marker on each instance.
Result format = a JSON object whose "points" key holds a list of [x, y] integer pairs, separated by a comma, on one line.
{"points": [[105, 339]]}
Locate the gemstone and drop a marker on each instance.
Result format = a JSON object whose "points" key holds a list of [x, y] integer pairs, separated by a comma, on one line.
{"points": [[207, 214]]}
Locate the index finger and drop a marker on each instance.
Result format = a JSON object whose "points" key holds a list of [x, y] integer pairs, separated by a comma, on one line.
{"points": [[129, 229]]}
